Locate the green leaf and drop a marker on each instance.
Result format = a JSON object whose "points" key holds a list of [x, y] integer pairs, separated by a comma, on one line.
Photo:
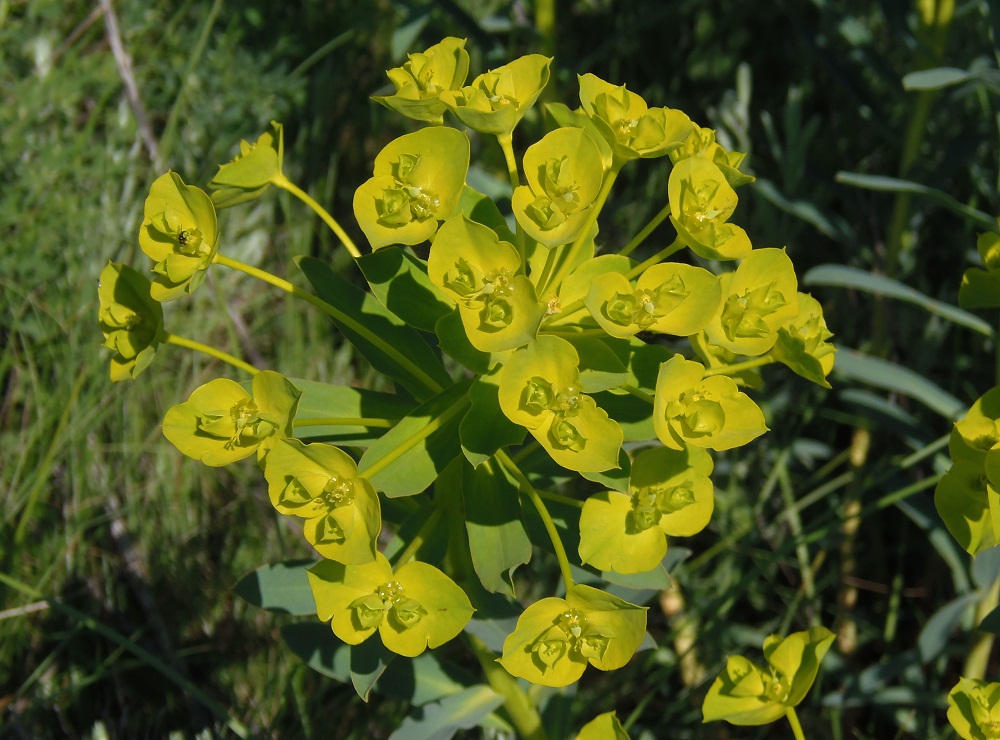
{"points": [[600, 367], [980, 289], [461, 711], [935, 79], [326, 401], [851, 277], [480, 208], [603, 727], [485, 428], [423, 679], [892, 377], [938, 630], [279, 587], [497, 538], [399, 280], [895, 185], [409, 457], [393, 348], [616, 478], [455, 343], [369, 661]]}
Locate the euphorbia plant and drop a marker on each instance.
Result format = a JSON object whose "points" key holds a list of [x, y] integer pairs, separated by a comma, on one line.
{"points": [[572, 369]]}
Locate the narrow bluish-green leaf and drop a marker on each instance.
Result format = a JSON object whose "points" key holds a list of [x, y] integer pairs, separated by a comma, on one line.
{"points": [[279, 587], [485, 428], [830, 226], [851, 277], [391, 346], [895, 185], [935, 79], [326, 401], [369, 661], [399, 280], [892, 377], [408, 458], [441, 719], [423, 679], [937, 632], [497, 538]]}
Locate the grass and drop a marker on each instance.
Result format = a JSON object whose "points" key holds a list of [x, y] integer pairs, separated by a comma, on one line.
{"points": [[118, 557]]}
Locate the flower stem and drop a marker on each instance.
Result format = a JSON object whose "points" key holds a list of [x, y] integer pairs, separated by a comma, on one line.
{"points": [[739, 367], [568, 255], [675, 246], [648, 229], [218, 354], [360, 421], [284, 183], [793, 720], [543, 513], [517, 702], [507, 145], [337, 315], [632, 390], [418, 540]]}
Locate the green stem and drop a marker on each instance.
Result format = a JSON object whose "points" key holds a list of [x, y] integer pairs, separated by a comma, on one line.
{"points": [[145, 656], [360, 421], [739, 367], [518, 704], [337, 315], [283, 182], [507, 145], [543, 513], [560, 499], [648, 229], [568, 256], [632, 390], [432, 426], [675, 246], [793, 720], [218, 354], [418, 541]]}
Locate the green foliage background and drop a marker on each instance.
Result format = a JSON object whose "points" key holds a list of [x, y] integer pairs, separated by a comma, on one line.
{"points": [[133, 546]]}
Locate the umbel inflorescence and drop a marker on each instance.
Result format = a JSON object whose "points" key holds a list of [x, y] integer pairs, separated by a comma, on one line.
{"points": [[570, 361]]}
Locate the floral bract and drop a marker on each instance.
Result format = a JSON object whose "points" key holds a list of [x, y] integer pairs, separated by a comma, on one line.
{"points": [[540, 390], [251, 171], [981, 287], [418, 180], [701, 143], [757, 299], [132, 322], [628, 124], [481, 274], [967, 497], [556, 638], [412, 609], [691, 409], [670, 495], [497, 100], [669, 298], [701, 202], [603, 727], [803, 344], [564, 172], [180, 234], [221, 423], [420, 82], [747, 695], [320, 484], [974, 709]]}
